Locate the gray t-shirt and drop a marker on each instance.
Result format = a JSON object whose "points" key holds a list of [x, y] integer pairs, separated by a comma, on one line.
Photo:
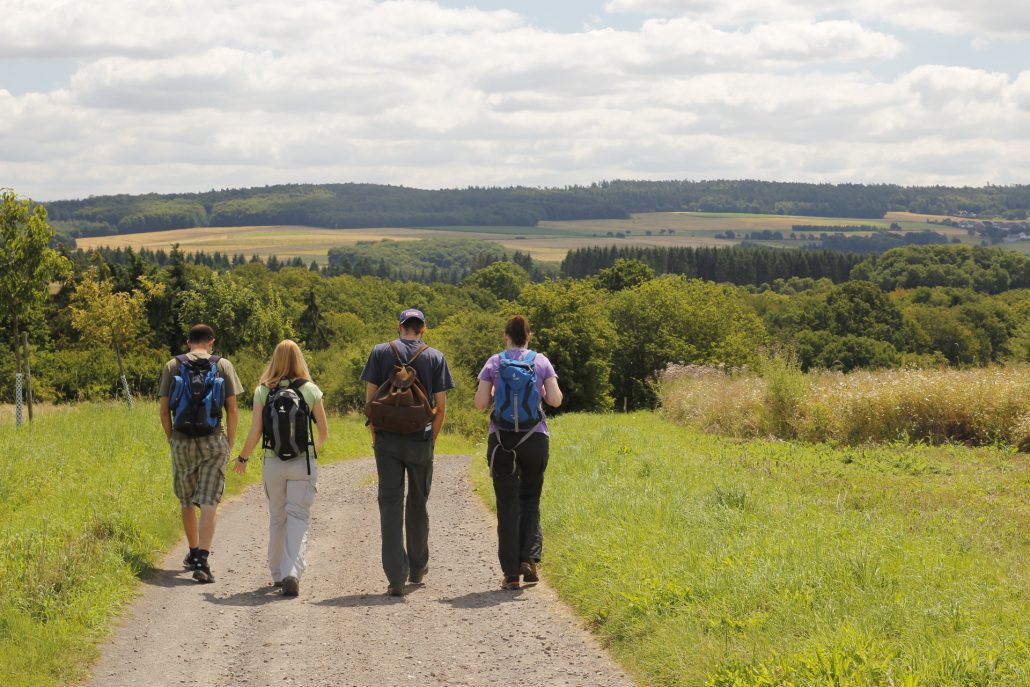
{"points": [[431, 368]]}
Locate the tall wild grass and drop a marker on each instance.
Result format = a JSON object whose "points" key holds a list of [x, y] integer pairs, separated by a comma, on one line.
{"points": [[984, 406]]}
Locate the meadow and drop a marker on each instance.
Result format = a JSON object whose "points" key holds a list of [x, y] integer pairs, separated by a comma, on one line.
{"points": [[83, 516], [989, 406], [549, 241], [706, 561]]}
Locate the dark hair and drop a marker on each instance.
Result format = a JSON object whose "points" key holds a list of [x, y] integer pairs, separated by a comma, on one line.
{"points": [[517, 330], [200, 333], [413, 324]]}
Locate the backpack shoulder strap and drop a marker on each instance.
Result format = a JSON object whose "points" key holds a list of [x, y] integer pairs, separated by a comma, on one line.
{"points": [[296, 384], [529, 357], [503, 355], [396, 353], [214, 359], [419, 352], [182, 359]]}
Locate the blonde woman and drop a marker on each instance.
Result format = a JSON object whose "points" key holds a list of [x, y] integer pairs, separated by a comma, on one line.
{"points": [[289, 472]]}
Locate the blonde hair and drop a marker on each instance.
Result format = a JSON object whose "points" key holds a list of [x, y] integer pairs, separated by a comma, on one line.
{"points": [[287, 363]]}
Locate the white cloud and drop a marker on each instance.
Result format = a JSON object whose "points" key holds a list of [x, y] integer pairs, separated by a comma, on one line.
{"points": [[193, 95], [1003, 18]]}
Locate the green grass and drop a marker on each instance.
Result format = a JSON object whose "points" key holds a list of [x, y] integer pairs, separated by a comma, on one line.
{"points": [[705, 561], [86, 505]]}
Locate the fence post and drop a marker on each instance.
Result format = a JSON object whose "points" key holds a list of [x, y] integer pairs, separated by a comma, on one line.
{"points": [[28, 372]]}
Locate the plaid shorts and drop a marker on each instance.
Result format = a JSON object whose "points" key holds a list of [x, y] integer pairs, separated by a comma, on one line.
{"points": [[198, 468]]}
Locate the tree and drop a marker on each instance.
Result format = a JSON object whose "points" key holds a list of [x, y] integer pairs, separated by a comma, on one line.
{"points": [[239, 316], [624, 274], [505, 280], [673, 319], [27, 262], [106, 317]]}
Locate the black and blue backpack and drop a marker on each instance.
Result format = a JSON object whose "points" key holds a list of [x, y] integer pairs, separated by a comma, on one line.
{"points": [[197, 396], [516, 396]]}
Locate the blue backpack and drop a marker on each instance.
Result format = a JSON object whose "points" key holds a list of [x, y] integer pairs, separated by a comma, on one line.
{"points": [[516, 396], [197, 396]]}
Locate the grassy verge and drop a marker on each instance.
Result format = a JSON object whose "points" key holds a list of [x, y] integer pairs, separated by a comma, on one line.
{"points": [[85, 505], [704, 561], [983, 406]]}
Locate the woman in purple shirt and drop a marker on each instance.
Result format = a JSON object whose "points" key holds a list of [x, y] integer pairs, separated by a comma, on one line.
{"points": [[518, 459]]}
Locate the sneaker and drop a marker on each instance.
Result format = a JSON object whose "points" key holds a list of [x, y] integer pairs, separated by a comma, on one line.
{"points": [[291, 586], [510, 583], [395, 590], [417, 577], [190, 562], [202, 572], [277, 584], [528, 571]]}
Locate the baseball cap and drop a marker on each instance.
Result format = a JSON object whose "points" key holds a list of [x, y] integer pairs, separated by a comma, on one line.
{"points": [[412, 313]]}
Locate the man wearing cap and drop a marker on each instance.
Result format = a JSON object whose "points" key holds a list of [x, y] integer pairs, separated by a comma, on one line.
{"points": [[405, 525]]}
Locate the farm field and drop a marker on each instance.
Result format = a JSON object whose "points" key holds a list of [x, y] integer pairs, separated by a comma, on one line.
{"points": [[549, 241]]}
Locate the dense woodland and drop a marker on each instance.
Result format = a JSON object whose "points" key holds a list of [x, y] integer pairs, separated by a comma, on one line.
{"points": [[369, 205], [608, 333]]}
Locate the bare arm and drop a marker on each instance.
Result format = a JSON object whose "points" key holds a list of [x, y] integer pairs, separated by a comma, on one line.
{"points": [[370, 391], [256, 426], [166, 418], [232, 419], [321, 424], [441, 410], [484, 394], [552, 394]]}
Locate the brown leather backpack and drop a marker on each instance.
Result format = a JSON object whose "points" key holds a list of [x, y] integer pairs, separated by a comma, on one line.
{"points": [[401, 404]]}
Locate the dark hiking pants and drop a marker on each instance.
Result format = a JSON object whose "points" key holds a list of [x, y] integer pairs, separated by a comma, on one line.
{"points": [[518, 480], [403, 522]]}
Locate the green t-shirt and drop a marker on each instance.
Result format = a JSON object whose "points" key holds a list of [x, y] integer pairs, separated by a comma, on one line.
{"points": [[311, 394]]}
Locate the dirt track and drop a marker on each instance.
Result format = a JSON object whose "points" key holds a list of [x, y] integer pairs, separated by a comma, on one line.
{"points": [[457, 629]]}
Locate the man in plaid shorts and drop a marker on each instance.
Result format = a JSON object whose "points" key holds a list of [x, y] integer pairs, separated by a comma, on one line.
{"points": [[198, 463]]}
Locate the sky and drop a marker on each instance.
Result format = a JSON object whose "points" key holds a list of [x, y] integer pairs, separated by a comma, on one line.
{"points": [[132, 96]]}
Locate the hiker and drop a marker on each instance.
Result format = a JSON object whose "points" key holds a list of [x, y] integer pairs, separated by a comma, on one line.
{"points": [[515, 381], [286, 404], [194, 388], [406, 400]]}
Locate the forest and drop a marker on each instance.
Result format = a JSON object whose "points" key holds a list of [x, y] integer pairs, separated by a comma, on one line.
{"points": [[369, 205], [610, 334]]}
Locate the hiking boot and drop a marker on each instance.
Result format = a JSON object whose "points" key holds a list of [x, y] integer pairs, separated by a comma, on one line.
{"points": [[190, 562], [528, 571], [417, 577], [202, 572], [278, 584], [395, 590], [291, 586], [510, 582]]}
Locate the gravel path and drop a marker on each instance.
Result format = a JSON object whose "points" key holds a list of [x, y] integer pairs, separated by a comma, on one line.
{"points": [[457, 629]]}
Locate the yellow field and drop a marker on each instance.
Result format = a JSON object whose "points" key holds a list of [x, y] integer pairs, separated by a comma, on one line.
{"points": [[549, 241]]}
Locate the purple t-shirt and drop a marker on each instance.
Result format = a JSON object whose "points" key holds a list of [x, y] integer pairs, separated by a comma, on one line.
{"points": [[544, 371]]}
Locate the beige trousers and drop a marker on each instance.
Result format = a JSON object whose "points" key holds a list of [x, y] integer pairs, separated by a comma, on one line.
{"points": [[290, 491]]}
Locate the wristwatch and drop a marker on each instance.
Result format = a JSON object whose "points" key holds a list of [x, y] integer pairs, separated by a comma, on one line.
{"points": [[241, 459]]}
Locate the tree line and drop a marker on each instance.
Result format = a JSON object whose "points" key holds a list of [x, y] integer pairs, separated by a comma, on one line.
{"points": [[372, 205], [609, 333]]}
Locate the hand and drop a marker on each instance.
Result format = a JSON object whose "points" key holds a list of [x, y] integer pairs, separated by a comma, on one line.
{"points": [[239, 468]]}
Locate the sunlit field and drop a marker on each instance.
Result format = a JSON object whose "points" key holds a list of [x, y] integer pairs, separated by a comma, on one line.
{"points": [[549, 241]]}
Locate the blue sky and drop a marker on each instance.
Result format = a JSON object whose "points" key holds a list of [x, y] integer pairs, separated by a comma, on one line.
{"points": [[109, 96]]}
